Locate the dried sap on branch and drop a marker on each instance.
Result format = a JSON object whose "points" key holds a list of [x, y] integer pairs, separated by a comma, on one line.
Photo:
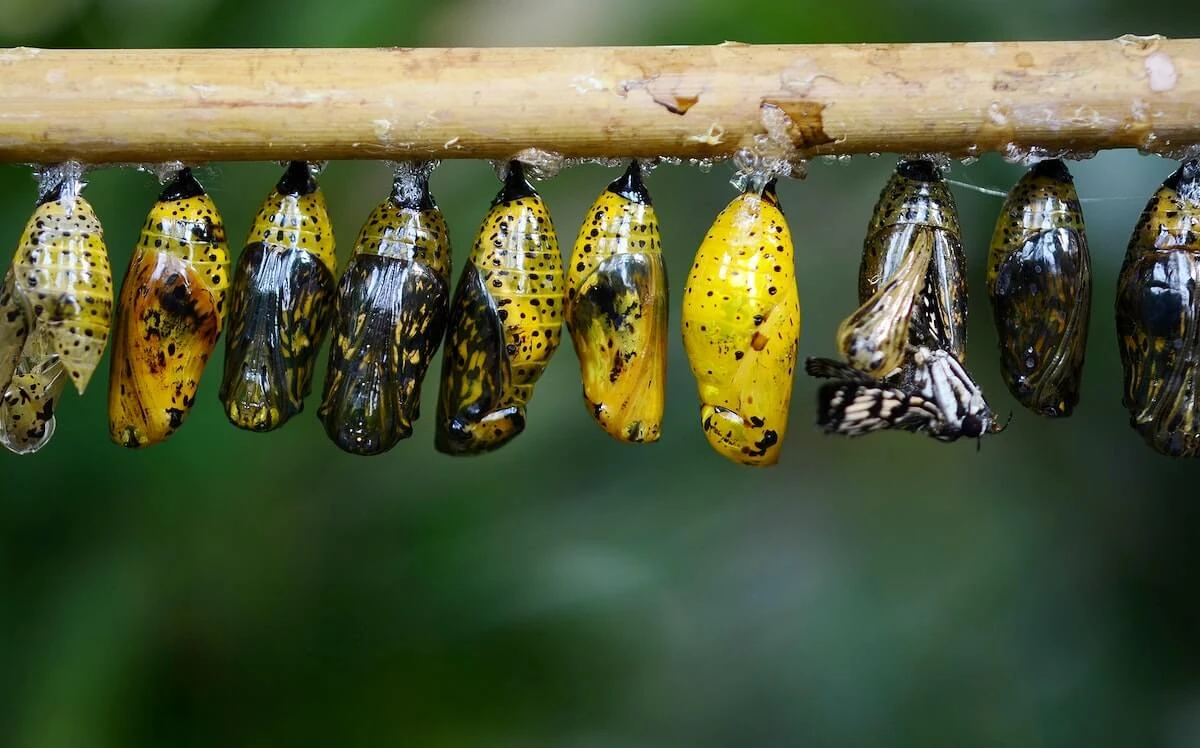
{"points": [[505, 322], [55, 311], [170, 315], [741, 328], [392, 306], [1158, 317], [617, 311], [1040, 283], [281, 304]]}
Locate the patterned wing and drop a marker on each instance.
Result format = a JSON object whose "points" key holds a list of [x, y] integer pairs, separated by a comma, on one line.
{"points": [[618, 323], [858, 408], [167, 326], [1160, 330], [475, 409], [360, 407], [1039, 281], [391, 316], [828, 368], [424, 307], [1041, 300], [1158, 321], [282, 300]]}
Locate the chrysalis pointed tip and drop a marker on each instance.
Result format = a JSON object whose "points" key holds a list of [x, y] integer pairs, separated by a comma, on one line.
{"points": [[630, 185], [413, 193], [516, 186], [919, 170], [297, 180], [181, 187], [54, 194], [1053, 168]]}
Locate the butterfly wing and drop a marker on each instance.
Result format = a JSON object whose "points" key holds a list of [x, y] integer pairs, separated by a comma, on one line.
{"points": [[167, 327], [474, 414], [618, 323]]}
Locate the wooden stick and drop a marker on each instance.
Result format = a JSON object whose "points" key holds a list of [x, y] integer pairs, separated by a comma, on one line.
{"points": [[691, 102]]}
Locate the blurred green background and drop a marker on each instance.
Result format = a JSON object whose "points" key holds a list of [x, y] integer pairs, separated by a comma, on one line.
{"points": [[228, 588]]}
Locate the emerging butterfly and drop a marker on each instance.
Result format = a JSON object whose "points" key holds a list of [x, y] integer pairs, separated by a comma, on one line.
{"points": [[933, 394], [617, 311], [912, 280], [55, 309], [505, 322], [1158, 317], [170, 315], [741, 328], [282, 302], [1040, 283], [391, 315]]}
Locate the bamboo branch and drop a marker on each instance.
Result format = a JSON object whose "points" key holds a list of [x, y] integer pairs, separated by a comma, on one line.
{"points": [[692, 102]]}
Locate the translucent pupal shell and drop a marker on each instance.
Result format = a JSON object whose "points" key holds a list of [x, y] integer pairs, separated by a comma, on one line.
{"points": [[617, 311], [505, 322], [741, 328], [915, 214], [1040, 283], [282, 302], [30, 398], [391, 311], [15, 321], [62, 280], [875, 338], [1158, 317], [169, 316]]}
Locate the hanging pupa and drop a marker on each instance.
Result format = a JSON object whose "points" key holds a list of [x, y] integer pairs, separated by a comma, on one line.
{"points": [[1040, 284], [741, 327], [392, 305], [169, 316], [281, 304], [912, 279], [1158, 317], [616, 310], [55, 312], [505, 322]]}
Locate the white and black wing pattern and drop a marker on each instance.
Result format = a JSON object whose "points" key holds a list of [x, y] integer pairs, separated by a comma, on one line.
{"points": [[932, 394], [857, 408]]}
